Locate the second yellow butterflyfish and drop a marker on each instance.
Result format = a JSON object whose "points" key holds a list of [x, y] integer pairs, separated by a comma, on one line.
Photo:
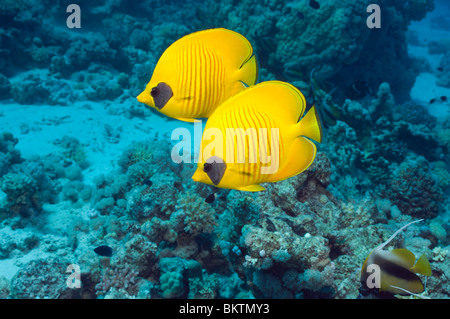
{"points": [[200, 71], [259, 135]]}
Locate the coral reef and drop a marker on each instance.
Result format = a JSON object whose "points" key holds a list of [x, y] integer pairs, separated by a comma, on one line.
{"points": [[383, 162], [9, 155], [296, 240], [357, 48], [332, 43], [43, 279], [414, 190], [444, 78]]}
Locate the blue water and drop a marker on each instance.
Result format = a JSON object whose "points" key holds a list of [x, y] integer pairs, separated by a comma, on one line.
{"points": [[84, 164]]}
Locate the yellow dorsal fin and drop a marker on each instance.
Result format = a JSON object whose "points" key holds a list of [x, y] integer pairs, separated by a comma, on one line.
{"points": [[422, 266], [406, 257], [277, 99], [251, 188], [234, 48], [310, 126]]}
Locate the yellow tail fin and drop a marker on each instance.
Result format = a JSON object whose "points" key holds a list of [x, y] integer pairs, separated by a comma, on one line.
{"points": [[310, 126], [249, 71], [246, 76], [422, 266], [406, 258], [299, 158]]}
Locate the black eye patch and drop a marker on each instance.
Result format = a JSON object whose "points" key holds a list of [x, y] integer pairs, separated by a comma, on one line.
{"points": [[161, 94], [207, 167], [155, 92], [215, 169]]}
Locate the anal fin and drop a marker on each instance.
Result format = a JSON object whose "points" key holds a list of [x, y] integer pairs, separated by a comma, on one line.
{"points": [[251, 188], [186, 119]]}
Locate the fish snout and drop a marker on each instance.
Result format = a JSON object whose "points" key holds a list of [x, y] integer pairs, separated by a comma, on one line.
{"points": [[145, 98], [197, 176]]}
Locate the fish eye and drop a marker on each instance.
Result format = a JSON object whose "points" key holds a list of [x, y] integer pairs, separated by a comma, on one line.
{"points": [[161, 94], [207, 167], [155, 92], [215, 169]]}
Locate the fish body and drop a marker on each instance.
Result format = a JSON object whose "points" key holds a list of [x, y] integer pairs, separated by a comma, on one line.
{"points": [[256, 137], [198, 72], [397, 271], [210, 198], [148, 182], [329, 114], [314, 4], [104, 250], [357, 90]]}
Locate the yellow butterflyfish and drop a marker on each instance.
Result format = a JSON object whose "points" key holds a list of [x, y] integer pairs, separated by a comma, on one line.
{"points": [[256, 137], [200, 71]]}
